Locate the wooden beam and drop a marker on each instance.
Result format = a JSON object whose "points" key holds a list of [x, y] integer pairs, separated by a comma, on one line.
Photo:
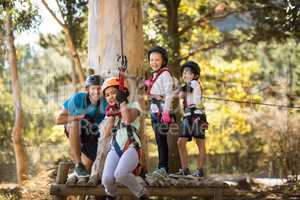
{"points": [[216, 192]]}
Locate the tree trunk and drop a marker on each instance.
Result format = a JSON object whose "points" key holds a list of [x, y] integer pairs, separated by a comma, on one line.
{"points": [[74, 54], [20, 153], [105, 45], [174, 53], [2, 51], [73, 76], [69, 40]]}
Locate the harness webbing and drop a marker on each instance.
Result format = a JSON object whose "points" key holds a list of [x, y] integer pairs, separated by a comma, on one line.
{"points": [[152, 79]]}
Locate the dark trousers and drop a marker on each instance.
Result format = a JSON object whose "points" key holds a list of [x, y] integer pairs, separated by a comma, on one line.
{"points": [[161, 141]]}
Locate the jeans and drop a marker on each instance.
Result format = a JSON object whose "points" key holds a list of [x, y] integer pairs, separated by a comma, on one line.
{"points": [[162, 142]]}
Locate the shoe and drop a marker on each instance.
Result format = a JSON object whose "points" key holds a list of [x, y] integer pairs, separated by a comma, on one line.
{"points": [[161, 172], [80, 170], [93, 180], [144, 197], [199, 173], [110, 198], [71, 180], [183, 172]]}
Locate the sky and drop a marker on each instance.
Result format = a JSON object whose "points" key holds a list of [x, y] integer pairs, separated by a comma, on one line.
{"points": [[48, 25]]}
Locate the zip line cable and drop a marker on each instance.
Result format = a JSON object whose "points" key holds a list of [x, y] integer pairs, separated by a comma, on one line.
{"points": [[250, 102]]}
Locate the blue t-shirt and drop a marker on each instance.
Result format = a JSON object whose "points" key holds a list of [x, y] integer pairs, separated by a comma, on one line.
{"points": [[79, 104]]}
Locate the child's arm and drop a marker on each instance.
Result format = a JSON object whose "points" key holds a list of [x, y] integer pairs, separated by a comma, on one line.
{"points": [[109, 126]]}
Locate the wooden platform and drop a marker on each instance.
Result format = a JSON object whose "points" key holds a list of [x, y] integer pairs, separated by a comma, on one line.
{"points": [[171, 187]]}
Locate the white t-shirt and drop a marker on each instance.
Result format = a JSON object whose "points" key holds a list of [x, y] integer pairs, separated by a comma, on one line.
{"points": [[122, 135], [194, 98], [163, 86]]}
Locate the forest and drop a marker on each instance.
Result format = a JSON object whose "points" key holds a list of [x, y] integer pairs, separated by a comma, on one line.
{"points": [[248, 52]]}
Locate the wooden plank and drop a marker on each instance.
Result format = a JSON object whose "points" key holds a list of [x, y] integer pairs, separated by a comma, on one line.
{"points": [[218, 194], [61, 189]]}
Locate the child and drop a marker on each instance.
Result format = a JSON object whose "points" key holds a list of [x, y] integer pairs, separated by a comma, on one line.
{"points": [[160, 87], [124, 155], [194, 120]]}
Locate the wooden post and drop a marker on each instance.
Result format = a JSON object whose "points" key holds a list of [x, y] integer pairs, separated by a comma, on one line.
{"points": [[62, 175], [62, 172]]}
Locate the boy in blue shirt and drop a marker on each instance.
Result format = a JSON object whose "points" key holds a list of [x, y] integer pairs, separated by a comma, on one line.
{"points": [[81, 115]]}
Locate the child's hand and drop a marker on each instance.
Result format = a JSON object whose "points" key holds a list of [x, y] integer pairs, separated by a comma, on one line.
{"points": [[122, 96], [112, 110], [111, 119], [187, 88], [147, 83], [166, 117]]}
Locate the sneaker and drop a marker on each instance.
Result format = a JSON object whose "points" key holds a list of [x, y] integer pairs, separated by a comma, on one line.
{"points": [[71, 180], [199, 173], [183, 172], [161, 172], [110, 198], [80, 170]]}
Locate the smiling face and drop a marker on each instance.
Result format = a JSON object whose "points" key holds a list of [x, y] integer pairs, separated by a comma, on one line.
{"points": [[94, 93], [156, 61], [187, 74], [110, 95]]}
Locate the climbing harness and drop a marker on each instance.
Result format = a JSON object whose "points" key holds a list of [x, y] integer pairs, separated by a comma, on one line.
{"points": [[131, 130]]}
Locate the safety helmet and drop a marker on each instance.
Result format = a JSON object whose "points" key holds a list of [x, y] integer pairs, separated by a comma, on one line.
{"points": [[93, 80], [162, 51], [193, 66], [112, 82]]}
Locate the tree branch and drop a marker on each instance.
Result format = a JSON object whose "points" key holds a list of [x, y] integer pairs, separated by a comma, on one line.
{"points": [[60, 10], [209, 16], [165, 2], [53, 14], [212, 46]]}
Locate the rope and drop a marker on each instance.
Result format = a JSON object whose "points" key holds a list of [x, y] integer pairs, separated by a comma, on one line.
{"points": [[121, 27], [250, 102], [122, 59]]}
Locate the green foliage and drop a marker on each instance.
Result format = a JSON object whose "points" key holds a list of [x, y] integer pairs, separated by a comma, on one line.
{"points": [[74, 15], [229, 124], [24, 15], [6, 124], [273, 19], [44, 80], [8, 197]]}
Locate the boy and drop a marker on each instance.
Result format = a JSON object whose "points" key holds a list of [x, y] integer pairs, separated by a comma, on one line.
{"points": [[194, 120]]}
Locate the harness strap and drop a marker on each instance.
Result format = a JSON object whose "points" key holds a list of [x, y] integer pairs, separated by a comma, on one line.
{"points": [[152, 79], [131, 139], [130, 130]]}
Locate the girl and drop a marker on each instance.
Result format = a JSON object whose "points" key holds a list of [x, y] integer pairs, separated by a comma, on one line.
{"points": [[123, 158], [160, 87]]}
